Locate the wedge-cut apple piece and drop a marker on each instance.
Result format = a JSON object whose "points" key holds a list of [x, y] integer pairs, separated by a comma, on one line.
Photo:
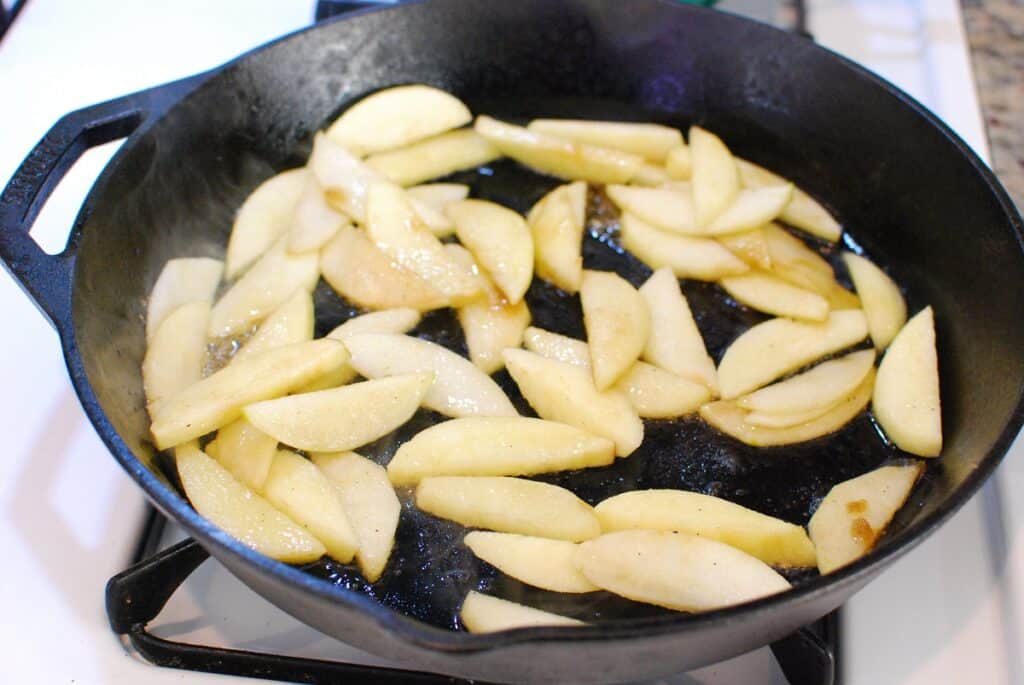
{"points": [[750, 209], [566, 393], [772, 295], [675, 343], [438, 195], [240, 512], [750, 246], [881, 298], [460, 389], [434, 219], [729, 418], [540, 562], [345, 179], [501, 446], [292, 322], [676, 570], [650, 141], [397, 320], [315, 222], [776, 347], [716, 180], [245, 451], [659, 394], [617, 322], [679, 163], [263, 288], [435, 157], [370, 503], [855, 513], [557, 347], [906, 402], [509, 505], [650, 175], [365, 276], [698, 258], [217, 400], [761, 419], [181, 281], [298, 488], [771, 540], [802, 212], [264, 217], [397, 116], [665, 208], [558, 156], [175, 354], [556, 223], [483, 614], [341, 418], [786, 249], [500, 241], [823, 386], [397, 231]]}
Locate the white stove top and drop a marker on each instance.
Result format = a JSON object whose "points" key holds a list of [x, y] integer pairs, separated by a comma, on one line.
{"points": [[949, 613]]}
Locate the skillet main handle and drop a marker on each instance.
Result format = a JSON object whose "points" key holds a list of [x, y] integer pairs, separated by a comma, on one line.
{"points": [[46, 278]]}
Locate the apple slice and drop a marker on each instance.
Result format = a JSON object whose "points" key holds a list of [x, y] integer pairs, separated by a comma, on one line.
{"points": [[509, 505], [246, 452], [617, 322], [883, 302], [679, 163], [776, 347], [497, 446], [370, 503], [240, 512], [731, 419], [341, 418], [397, 320], [217, 400], [438, 195], [500, 242], [175, 354], [181, 281], [771, 540], [566, 393], [750, 246], [772, 295], [750, 209], [460, 389], [802, 212], [650, 175], [676, 570], [298, 488], [263, 288], [292, 322], [315, 221], [540, 562], [557, 226], [483, 614], [397, 116], [558, 156], [557, 347], [716, 181], [699, 258], [855, 513], [367, 277], [264, 217], [675, 343], [906, 401], [785, 249], [398, 232], [665, 208], [435, 157], [650, 141], [345, 179], [824, 386]]}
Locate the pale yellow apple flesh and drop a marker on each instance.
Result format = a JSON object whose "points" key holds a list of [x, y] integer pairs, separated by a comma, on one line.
{"points": [[802, 212], [435, 157], [716, 180], [665, 208], [750, 209], [617, 322], [264, 217], [540, 562], [557, 230], [772, 295], [702, 259], [292, 322], [881, 298], [679, 163], [438, 195], [315, 221], [396, 320], [750, 246], [344, 178], [651, 141], [825, 385], [245, 451], [484, 614], [181, 281], [175, 354], [650, 175], [500, 241]]}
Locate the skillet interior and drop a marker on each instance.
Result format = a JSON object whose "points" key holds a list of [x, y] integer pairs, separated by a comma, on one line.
{"points": [[897, 182]]}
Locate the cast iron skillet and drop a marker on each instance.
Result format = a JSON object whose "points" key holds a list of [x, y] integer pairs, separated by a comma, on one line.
{"points": [[907, 189]]}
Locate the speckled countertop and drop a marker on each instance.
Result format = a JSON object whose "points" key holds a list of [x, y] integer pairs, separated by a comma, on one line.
{"points": [[995, 30]]}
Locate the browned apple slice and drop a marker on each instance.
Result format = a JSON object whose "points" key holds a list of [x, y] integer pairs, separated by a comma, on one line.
{"points": [[750, 246]]}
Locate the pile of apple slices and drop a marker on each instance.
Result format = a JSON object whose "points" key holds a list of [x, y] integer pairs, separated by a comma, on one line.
{"points": [[263, 419]]}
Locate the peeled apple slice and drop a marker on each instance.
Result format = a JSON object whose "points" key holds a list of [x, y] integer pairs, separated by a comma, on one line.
{"points": [[823, 386], [240, 512], [315, 221], [855, 513], [679, 163], [397, 116], [345, 179], [341, 418], [483, 614], [703, 259], [906, 403], [650, 141], [505, 446], [617, 322], [181, 281], [397, 320], [246, 452], [776, 347], [556, 223], [650, 175], [802, 212], [264, 217], [540, 562], [665, 208], [176, 353], [435, 157], [500, 241], [881, 298], [771, 540], [438, 195], [772, 295], [750, 246], [715, 178], [676, 570], [750, 209], [509, 505], [292, 322]]}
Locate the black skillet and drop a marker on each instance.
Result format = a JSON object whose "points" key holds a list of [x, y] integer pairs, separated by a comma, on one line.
{"points": [[910, 193]]}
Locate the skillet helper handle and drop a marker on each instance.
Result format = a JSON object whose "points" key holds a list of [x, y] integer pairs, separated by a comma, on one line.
{"points": [[46, 278]]}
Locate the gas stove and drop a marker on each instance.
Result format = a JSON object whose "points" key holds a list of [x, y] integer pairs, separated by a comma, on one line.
{"points": [[70, 519]]}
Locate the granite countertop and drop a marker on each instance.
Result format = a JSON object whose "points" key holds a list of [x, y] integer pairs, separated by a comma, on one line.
{"points": [[995, 30]]}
